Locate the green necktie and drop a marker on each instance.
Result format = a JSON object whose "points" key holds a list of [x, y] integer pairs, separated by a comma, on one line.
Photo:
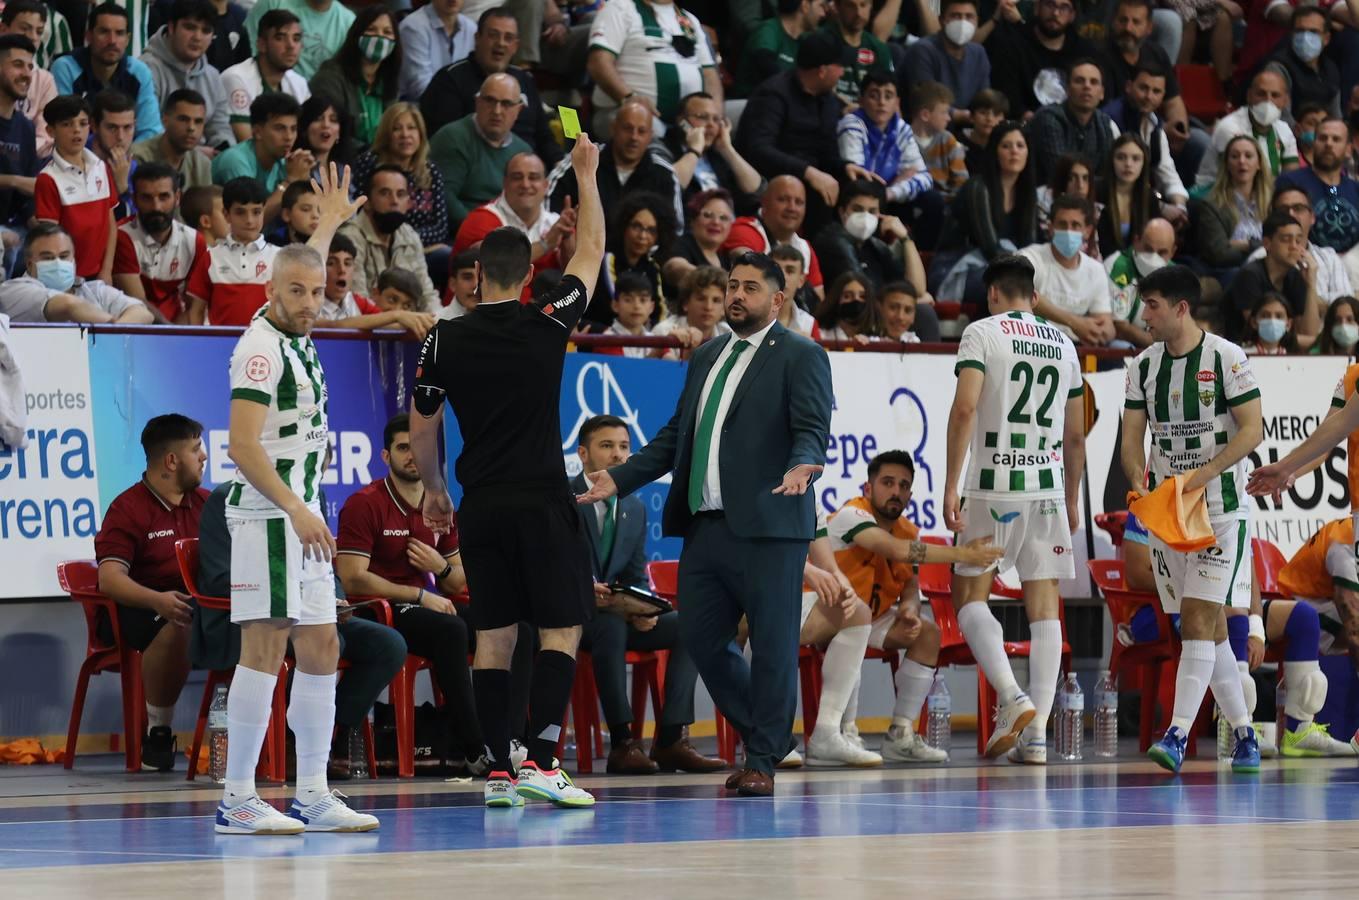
{"points": [[703, 438], [608, 530]]}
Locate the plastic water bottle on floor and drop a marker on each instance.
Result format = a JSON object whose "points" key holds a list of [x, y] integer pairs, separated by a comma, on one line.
{"points": [[939, 724], [1071, 719], [1106, 716], [358, 753], [217, 735]]}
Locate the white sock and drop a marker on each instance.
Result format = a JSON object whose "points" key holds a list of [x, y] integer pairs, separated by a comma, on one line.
{"points": [[913, 683], [159, 716], [986, 640], [311, 716], [851, 716], [1045, 666], [1226, 683], [840, 672], [1295, 672], [1191, 682], [248, 705], [1247, 686]]}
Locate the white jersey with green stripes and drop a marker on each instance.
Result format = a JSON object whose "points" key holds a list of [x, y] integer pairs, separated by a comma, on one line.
{"points": [[1031, 369], [281, 371], [1189, 400]]}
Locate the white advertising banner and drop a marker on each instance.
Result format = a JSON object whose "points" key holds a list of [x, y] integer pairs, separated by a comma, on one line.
{"points": [[49, 496]]}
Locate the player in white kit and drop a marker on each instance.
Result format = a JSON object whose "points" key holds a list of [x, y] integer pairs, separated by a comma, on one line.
{"points": [[1197, 393], [282, 586], [1019, 409]]}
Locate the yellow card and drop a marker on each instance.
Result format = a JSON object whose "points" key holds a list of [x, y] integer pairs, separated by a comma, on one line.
{"points": [[570, 122]]}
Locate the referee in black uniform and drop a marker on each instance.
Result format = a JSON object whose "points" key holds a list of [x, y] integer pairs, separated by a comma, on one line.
{"points": [[500, 368]]}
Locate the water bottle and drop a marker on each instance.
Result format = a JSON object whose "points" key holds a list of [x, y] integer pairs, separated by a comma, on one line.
{"points": [[358, 753], [1071, 719], [1106, 716], [939, 725], [1226, 741], [217, 736], [1059, 732]]}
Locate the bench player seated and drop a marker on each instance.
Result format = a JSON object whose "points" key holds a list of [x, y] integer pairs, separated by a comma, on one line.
{"points": [[877, 549], [138, 570], [1297, 624], [384, 549]]}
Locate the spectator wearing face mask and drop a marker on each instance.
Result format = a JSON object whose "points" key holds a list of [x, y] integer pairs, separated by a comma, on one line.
{"points": [[951, 58], [1312, 77], [1261, 118], [1340, 330], [384, 240], [1271, 327], [1071, 286], [1151, 251]]}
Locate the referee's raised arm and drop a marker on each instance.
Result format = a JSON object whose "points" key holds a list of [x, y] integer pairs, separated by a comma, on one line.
{"points": [[589, 256]]}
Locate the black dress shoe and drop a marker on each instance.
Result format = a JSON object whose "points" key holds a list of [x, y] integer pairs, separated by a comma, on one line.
{"points": [[158, 750]]}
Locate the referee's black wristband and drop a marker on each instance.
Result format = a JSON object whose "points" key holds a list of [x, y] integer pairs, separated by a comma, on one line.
{"points": [[448, 570]]}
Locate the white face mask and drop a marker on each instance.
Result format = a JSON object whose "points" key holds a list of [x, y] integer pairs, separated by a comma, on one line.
{"points": [[1345, 334], [1147, 262], [960, 31], [1265, 113], [861, 225]]}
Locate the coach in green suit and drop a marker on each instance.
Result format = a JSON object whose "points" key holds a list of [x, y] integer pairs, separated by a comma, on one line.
{"points": [[744, 445]]}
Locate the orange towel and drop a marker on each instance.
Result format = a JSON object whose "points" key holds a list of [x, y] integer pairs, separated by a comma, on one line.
{"points": [[28, 752], [1176, 517]]}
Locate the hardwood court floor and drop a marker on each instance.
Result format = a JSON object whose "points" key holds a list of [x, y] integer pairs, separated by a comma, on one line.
{"points": [[970, 831]]}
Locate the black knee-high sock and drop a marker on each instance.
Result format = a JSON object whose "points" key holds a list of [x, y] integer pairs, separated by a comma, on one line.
{"points": [[492, 689], [553, 674]]}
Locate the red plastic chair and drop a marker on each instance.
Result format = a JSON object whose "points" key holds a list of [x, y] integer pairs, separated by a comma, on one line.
{"points": [[80, 579], [937, 587], [1269, 562], [1204, 97], [1113, 523], [648, 669], [273, 758], [1145, 659]]}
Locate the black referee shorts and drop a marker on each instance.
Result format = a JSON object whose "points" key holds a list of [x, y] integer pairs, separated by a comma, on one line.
{"points": [[526, 559]]}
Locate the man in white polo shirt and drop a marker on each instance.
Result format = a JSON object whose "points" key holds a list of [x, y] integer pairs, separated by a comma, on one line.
{"points": [[277, 51], [1072, 288]]}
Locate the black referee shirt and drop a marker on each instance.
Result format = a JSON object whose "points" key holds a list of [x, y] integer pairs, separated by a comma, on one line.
{"points": [[500, 367]]}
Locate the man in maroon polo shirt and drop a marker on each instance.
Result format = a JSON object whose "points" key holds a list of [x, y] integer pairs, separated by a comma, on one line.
{"points": [[385, 550], [135, 549]]}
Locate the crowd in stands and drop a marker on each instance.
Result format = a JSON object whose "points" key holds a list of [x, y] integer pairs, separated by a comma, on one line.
{"points": [[896, 146]]}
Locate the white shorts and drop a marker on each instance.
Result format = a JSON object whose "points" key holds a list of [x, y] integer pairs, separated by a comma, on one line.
{"points": [[1219, 574], [271, 580], [877, 635], [1034, 534]]}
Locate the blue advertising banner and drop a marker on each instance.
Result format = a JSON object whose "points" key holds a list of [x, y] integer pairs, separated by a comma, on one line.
{"points": [[134, 377], [641, 392]]}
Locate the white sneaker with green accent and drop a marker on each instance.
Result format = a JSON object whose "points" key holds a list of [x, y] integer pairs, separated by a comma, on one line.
{"points": [[1313, 739], [903, 746], [500, 792], [553, 786]]}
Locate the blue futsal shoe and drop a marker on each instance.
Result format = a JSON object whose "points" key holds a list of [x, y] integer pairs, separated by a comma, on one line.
{"points": [[1246, 756], [1168, 752]]}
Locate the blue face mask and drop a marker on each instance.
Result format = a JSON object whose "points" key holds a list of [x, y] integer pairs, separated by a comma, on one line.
{"points": [[1307, 45], [1271, 331], [1308, 137], [1068, 243], [56, 274]]}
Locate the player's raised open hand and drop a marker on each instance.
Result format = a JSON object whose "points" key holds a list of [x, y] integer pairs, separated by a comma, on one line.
{"points": [[601, 488], [797, 479], [331, 187]]}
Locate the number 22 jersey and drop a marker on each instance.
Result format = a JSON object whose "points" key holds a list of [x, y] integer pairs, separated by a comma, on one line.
{"points": [[1031, 370]]}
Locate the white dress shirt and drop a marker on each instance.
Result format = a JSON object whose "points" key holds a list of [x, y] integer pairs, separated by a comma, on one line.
{"points": [[712, 480]]}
